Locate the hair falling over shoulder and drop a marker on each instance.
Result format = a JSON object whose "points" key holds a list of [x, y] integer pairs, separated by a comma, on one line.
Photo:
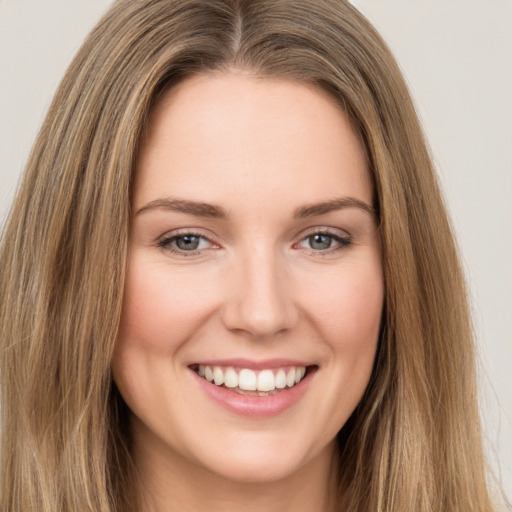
{"points": [[414, 442]]}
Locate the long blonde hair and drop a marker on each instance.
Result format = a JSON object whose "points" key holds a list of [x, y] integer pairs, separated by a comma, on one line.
{"points": [[413, 443]]}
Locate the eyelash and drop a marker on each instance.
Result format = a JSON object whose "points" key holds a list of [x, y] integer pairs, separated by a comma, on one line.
{"points": [[341, 241], [166, 243]]}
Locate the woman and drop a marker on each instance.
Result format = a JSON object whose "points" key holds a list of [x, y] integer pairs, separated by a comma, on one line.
{"points": [[231, 199]]}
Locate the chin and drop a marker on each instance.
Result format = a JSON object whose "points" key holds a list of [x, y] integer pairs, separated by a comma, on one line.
{"points": [[262, 459], [259, 469]]}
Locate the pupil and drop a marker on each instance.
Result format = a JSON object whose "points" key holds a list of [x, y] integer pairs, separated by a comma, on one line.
{"points": [[320, 241], [187, 242]]}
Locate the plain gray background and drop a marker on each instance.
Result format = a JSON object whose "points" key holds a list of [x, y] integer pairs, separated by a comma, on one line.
{"points": [[457, 58]]}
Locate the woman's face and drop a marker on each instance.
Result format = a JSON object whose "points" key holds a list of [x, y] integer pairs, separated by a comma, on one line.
{"points": [[254, 257]]}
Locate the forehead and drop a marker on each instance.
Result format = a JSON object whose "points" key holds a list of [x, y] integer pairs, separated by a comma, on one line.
{"points": [[216, 136]]}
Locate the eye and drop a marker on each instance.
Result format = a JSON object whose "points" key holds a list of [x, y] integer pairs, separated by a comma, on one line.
{"points": [[187, 242], [320, 241], [324, 241], [183, 243]]}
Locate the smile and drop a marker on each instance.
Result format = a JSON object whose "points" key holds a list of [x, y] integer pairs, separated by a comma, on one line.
{"points": [[245, 381]]}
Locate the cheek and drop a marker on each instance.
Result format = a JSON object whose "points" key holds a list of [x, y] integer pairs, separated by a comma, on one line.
{"points": [[162, 308], [346, 313], [348, 309], [162, 311]]}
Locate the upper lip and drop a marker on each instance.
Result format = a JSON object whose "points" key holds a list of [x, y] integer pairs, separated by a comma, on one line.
{"points": [[251, 364]]}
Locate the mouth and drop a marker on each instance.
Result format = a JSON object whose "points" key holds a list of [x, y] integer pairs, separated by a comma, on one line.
{"points": [[249, 382]]}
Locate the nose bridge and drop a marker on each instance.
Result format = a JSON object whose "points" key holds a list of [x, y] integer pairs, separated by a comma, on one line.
{"points": [[260, 302]]}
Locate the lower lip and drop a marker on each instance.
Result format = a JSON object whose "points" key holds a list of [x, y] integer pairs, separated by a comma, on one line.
{"points": [[255, 406]]}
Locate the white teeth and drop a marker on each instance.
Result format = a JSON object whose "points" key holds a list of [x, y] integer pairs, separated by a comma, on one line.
{"points": [[280, 379], [247, 380], [264, 382], [218, 376], [290, 378], [208, 373], [230, 378]]}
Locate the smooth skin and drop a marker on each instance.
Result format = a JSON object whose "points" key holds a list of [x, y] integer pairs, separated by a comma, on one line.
{"points": [[252, 237]]}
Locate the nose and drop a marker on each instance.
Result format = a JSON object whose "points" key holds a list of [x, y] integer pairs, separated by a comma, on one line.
{"points": [[260, 296]]}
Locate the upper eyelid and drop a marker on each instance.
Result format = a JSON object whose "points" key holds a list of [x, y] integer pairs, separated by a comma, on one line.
{"points": [[342, 238], [302, 234], [342, 233], [175, 233]]}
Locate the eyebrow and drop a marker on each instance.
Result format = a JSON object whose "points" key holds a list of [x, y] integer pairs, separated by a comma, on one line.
{"points": [[191, 207], [311, 210], [201, 209]]}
